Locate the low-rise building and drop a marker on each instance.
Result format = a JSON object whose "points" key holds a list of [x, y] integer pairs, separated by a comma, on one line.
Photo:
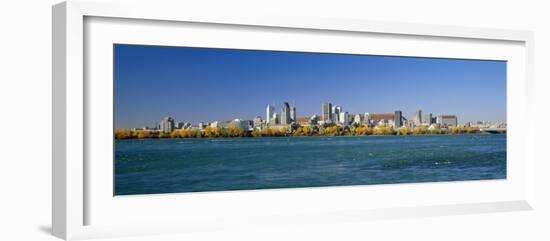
{"points": [[447, 121]]}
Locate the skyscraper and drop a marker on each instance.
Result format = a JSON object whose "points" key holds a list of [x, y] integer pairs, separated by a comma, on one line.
{"points": [[285, 114], [166, 124], [269, 111], [427, 119], [336, 110], [327, 111], [417, 120], [293, 114], [344, 118], [398, 119], [275, 119]]}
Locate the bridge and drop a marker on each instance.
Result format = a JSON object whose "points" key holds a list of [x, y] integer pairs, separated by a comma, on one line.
{"points": [[493, 130]]}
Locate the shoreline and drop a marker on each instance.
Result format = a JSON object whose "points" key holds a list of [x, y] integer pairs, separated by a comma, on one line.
{"points": [[290, 136], [238, 132]]}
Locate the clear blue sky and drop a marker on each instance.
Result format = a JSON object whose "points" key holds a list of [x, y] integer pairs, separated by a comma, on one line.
{"points": [[202, 84]]}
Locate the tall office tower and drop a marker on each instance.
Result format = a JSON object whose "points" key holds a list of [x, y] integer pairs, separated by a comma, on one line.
{"points": [[293, 114], [344, 118], [166, 124], [327, 111], [417, 120], [269, 111], [336, 110], [398, 119], [427, 119], [274, 119], [285, 114]]}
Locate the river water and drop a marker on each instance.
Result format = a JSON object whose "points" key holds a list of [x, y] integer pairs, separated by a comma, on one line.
{"points": [[193, 165]]}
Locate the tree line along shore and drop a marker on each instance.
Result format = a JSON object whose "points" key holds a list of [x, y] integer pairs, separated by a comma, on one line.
{"points": [[228, 132]]}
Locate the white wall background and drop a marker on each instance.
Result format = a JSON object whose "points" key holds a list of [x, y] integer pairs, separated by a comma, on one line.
{"points": [[25, 120]]}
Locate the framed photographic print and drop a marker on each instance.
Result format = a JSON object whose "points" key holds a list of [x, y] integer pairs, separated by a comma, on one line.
{"points": [[178, 121]]}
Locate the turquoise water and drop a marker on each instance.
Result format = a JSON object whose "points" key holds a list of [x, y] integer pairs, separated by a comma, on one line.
{"points": [[194, 165]]}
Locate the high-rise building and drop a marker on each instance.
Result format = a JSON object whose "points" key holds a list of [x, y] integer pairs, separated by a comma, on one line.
{"points": [[417, 120], [275, 119], [428, 119], [327, 111], [344, 118], [285, 114], [398, 119], [167, 124], [269, 111], [336, 110], [293, 114]]}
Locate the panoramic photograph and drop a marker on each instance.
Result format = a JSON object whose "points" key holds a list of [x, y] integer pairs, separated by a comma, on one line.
{"points": [[190, 119]]}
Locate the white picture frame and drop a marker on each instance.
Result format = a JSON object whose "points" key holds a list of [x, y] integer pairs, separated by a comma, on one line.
{"points": [[75, 189]]}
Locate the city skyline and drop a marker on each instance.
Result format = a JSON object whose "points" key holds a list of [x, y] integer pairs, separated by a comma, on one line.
{"points": [[205, 85], [331, 115]]}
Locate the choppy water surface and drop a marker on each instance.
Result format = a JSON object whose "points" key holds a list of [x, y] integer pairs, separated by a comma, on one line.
{"points": [[191, 165]]}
